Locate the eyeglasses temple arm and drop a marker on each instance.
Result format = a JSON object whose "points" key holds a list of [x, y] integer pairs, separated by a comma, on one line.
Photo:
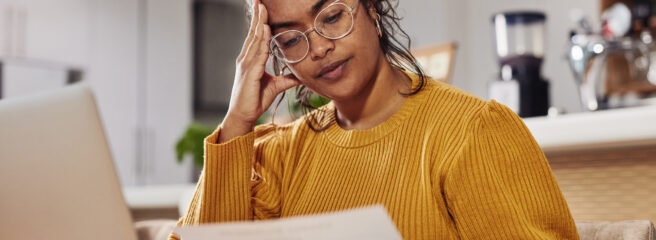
{"points": [[355, 5]]}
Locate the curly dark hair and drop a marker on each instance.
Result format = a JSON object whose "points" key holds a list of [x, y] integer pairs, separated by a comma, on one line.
{"points": [[396, 51]]}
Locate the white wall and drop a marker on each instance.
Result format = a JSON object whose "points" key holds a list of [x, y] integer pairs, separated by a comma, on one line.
{"points": [[435, 22], [468, 22]]}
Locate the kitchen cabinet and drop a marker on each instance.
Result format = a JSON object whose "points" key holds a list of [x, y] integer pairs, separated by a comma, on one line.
{"points": [[11, 19], [53, 31], [140, 71], [135, 54], [167, 89]]}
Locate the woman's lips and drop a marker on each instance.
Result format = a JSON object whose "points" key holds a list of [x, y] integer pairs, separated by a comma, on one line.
{"points": [[334, 72]]}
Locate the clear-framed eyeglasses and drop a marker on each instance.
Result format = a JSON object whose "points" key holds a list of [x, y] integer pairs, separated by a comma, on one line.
{"points": [[335, 21]]}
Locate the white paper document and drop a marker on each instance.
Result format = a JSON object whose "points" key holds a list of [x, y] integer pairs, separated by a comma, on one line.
{"points": [[367, 223]]}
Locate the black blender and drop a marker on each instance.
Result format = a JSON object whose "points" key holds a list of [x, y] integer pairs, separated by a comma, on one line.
{"points": [[519, 42]]}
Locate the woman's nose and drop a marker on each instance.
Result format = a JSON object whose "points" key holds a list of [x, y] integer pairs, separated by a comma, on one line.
{"points": [[319, 46]]}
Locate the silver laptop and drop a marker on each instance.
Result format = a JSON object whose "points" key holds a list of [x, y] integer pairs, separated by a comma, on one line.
{"points": [[57, 177]]}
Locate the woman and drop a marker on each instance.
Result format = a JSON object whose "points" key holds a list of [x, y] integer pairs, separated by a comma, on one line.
{"points": [[445, 164]]}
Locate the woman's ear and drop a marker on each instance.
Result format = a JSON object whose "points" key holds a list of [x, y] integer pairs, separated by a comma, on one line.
{"points": [[375, 17], [371, 9]]}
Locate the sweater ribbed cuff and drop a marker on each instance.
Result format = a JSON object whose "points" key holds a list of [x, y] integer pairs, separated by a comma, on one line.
{"points": [[227, 174]]}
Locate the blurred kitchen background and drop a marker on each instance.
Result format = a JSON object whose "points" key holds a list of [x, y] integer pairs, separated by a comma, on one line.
{"points": [[162, 72]]}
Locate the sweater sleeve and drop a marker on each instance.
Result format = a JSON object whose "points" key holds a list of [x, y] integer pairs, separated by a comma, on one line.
{"points": [[240, 180], [500, 185]]}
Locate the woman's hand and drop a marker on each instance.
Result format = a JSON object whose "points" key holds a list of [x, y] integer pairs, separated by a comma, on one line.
{"points": [[253, 90]]}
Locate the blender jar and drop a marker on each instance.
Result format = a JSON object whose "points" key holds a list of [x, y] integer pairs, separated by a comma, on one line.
{"points": [[519, 34]]}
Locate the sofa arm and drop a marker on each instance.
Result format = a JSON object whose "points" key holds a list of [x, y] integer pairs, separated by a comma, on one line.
{"points": [[154, 229]]}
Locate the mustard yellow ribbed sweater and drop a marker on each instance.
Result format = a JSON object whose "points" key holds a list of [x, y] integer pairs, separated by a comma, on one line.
{"points": [[447, 165]]}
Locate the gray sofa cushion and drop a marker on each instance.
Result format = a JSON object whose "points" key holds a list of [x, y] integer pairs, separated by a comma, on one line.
{"points": [[154, 229], [623, 230]]}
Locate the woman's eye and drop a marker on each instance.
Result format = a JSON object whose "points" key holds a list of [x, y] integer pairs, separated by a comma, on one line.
{"points": [[291, 42], [333, 18]]}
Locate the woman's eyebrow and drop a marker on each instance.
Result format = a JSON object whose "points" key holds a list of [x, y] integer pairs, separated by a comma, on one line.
{"points": [[274, 26], [313, 11], [317, 6]]}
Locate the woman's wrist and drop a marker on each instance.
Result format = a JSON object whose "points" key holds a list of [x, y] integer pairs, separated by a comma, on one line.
{"points": [[232, 127]]}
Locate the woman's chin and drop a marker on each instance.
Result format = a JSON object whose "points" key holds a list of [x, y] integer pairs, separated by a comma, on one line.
{"points": [[343, 89], [341, 95]]}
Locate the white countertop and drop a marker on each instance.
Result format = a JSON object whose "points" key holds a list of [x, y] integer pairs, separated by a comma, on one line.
{"points": [[634, 126], [157, 196]]}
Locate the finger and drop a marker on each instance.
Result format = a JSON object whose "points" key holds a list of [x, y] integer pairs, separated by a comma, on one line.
{"points": [[263, 23], [251, 29], [256, 17], [266, 34], [264, 18], [259, 44], [274, 85], [263, 53], [254, 45], [291, 77]]}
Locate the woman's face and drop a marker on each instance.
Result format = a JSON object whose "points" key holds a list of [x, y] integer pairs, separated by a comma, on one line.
{"points": [[359, 51]]}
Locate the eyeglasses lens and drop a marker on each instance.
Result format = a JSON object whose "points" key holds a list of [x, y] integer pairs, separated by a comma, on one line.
{"points": [[333, 22]]}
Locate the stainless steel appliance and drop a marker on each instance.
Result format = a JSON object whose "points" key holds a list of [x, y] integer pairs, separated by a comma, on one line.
{"points": [[589, 57], [613, 67]]}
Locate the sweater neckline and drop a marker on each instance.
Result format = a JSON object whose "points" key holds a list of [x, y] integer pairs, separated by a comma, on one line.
{"points": [[357, 138]]}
